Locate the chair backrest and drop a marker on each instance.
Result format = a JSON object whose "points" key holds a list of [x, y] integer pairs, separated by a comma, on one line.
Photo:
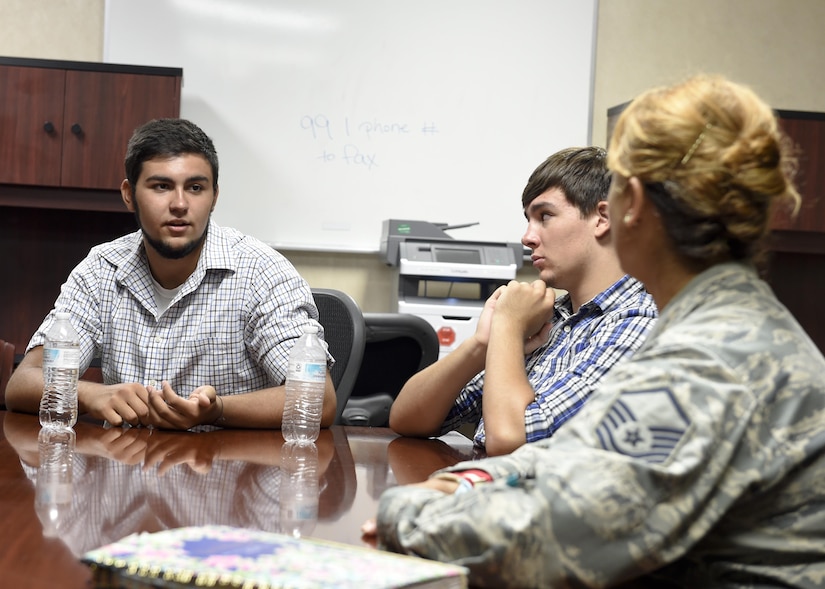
{"points": [[6, 367], [397, 346], [343, 325]]}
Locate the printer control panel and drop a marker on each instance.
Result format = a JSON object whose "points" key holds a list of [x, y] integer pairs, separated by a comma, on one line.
{"points": [[488, 255], [457, 260]]}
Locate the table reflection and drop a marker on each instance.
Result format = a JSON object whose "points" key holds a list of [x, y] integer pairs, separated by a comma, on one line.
{"points": [[299, 488], [124, 480], [55, 475], [131, 480]]}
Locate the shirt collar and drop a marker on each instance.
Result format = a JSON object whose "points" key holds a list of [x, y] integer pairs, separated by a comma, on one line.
{"points": [[620, 290], [133, 268], [217, 251]]}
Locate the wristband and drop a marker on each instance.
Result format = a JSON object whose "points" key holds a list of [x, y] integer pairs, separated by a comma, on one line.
{"points": [[475, 475], [464, 485], [466, 479]]}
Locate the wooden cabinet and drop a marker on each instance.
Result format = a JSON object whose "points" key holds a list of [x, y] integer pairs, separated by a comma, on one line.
{"points": [[66, 124], [797, 244], [30, 99], [63, 133]]}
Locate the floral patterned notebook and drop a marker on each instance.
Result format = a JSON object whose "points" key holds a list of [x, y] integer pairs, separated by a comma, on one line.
{"points": [[222, 556]]}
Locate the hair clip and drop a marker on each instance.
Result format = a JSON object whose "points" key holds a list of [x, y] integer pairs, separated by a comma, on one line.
{"points": [[695, 145]]}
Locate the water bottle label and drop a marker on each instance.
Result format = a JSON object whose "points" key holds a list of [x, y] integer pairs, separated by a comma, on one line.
{"points": [[55, 492], [61, 357], [308, 371]]}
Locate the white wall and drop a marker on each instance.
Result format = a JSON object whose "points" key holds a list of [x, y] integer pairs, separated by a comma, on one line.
{"points": [[52, 29], [330, 117], [774, 45]]}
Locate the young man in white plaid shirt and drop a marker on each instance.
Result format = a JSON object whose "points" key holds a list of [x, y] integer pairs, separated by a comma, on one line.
{"points": [[192, 322]]}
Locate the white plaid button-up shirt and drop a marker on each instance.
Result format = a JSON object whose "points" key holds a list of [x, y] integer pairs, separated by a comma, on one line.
{"points": [[231, 325]]}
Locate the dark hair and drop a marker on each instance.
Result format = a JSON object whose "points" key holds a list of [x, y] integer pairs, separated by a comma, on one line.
{"points": [[168, 138], [579, 172]]}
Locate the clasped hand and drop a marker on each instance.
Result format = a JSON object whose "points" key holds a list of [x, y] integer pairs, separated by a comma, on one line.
{"points": [[528, 306], [163, 408]]}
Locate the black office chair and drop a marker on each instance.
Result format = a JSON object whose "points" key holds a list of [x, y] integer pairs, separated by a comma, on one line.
{"points": [[397, 346], [343, 325]]}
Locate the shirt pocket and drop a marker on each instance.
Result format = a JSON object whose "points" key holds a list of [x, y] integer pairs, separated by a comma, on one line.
{"points": [[212, 361]]}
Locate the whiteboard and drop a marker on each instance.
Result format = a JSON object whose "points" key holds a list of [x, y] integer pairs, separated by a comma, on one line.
{"points": [[330, 116]]}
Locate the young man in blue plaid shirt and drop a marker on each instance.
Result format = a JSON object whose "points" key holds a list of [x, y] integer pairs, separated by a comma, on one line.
{"points": [[535, 358]]}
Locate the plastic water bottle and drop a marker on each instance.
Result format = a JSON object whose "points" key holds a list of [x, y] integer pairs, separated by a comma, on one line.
{"points": [[299, 488], [53, 487], [305, 384], [61, 365]]}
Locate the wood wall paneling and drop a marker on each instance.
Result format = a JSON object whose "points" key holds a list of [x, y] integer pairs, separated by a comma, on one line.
{"points": [[796, 269], [807, 131], [41, 246]]}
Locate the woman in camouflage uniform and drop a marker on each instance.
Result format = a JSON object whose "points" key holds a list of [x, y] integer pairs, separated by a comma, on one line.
{"points": [[700, 461]]}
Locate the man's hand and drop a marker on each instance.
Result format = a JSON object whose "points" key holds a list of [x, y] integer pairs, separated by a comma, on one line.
{"points": [[537, 340], [172, 411], [369, 529], [119, 403], [528, 307], [482, 333], [136, 405]]}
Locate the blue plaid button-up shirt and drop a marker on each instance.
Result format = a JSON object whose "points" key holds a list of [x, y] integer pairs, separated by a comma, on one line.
{"points": [[581, 348]]}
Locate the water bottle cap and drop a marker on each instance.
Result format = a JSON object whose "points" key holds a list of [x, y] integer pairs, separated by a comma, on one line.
{"points": [[63, 315], [310, 328]]}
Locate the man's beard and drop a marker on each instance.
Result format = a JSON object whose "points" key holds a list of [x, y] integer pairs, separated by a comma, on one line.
{"points": [[164, 249], [174, 253]]}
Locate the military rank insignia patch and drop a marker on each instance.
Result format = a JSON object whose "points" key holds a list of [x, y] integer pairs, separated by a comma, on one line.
{"points": [[644, 424]]}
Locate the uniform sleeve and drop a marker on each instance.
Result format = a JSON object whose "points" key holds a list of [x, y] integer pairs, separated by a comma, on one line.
{"points": [[560, 394], [629, 484]]}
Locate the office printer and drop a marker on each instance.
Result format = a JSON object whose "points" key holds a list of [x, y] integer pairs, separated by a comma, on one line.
{"points": [[445, 280]]}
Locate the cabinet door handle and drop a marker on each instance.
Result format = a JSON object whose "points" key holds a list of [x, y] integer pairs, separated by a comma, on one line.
{"points": [[77, 130], [48, 127]]}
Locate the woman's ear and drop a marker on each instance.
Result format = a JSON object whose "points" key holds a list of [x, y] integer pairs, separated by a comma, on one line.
{"points": [[635, 193]]}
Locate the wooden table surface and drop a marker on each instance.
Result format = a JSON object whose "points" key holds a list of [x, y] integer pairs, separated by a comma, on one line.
{"points": [[128, 480]]}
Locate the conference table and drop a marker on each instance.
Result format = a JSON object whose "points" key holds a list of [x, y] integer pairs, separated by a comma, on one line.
{"points": [[126, 480]]}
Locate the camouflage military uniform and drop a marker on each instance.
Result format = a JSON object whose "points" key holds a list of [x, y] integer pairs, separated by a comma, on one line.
{"points": [[700, 462]]}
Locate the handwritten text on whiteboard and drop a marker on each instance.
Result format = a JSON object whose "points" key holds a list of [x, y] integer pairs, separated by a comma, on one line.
{"points": [[349, 142]]}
